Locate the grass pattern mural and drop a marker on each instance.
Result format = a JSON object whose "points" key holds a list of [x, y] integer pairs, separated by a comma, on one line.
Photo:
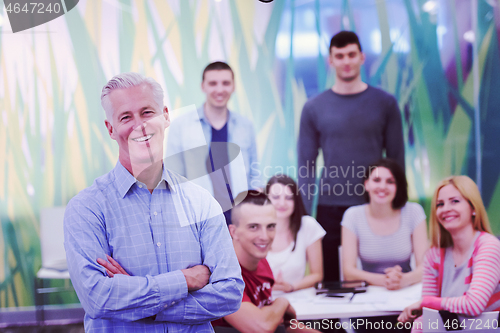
{"points": [[53, 142]]}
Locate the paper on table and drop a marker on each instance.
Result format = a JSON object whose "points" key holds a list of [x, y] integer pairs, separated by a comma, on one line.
{"points": [[391, 298], [375, 297], [402, 298], [387, 300], [303, 295]]}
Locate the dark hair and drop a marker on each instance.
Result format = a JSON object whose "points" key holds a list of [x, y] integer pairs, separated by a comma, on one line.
{"points": [[299, 209], [253, 197], [344, 38], [216, 66], [398, 173]]}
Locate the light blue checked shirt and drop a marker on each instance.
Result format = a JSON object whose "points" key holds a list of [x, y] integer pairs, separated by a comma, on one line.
{"points": [[152, 236]]}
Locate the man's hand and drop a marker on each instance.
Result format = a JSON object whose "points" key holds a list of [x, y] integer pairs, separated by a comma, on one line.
{"points": [[196, 277], [112, 267], [393, 277]]}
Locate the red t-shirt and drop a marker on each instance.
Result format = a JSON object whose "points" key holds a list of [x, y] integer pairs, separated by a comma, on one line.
{"points": [[258, 287]]}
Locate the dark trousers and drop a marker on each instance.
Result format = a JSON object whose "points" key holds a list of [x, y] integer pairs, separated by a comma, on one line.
{"points": [[330, 217]]}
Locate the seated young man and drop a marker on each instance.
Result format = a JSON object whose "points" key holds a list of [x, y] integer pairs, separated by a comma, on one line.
{"points": [[253, 230]]}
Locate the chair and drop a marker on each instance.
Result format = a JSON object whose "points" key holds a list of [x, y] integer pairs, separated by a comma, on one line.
{"points": [[54, 264], [443, 321]]}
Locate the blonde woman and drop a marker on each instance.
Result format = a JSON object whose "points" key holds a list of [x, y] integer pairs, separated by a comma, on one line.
{"points": [[462, 269]]}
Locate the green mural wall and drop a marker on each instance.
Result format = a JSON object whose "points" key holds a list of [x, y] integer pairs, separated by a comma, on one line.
{"points": [[53, 142]]}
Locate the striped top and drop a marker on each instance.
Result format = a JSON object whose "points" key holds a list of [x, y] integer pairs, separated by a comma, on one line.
{"points": [[379, 252], [480, 276]]}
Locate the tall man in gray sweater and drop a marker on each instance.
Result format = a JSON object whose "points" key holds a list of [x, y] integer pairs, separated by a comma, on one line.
{"points": [[354, 124]]}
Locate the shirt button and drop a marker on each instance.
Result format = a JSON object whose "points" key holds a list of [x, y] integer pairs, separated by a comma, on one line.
{"points": [[158, 244], [166, 306], [140, 186], [172, 303], [155, 213]]}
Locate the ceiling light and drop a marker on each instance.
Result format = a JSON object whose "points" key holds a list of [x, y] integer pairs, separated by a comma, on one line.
{"points": [[430, 6], [469, 36]]}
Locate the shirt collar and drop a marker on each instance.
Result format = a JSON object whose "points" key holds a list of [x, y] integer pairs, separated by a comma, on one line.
{"points": [[124, 179], [201, 115]]}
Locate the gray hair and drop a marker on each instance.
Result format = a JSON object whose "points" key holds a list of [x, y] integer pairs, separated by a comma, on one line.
{"points": [[128, 80]]}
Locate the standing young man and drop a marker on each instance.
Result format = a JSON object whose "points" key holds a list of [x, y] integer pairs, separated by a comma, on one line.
{"points": [[354, 124], [205, 142], [177, 267]]}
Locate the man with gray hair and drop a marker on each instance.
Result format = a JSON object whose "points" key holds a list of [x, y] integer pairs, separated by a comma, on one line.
{"points": [[148, 251]]}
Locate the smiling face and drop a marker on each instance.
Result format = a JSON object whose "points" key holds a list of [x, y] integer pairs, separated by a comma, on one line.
{"points": [[254, 233], [218, 85], [282, 198], [381, 186], [138, 125], [453, 211], [347, 62]]}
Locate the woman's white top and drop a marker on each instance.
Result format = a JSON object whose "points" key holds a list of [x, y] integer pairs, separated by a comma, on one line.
{"points": [[292, 264]]}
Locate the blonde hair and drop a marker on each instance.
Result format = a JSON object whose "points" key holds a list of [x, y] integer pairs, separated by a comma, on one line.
{"points": [[440, 237]]}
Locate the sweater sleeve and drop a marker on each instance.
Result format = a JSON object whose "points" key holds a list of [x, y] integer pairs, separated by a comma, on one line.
{"points": [[307, 147], [485, 278], [431, 272], [393, 136]]}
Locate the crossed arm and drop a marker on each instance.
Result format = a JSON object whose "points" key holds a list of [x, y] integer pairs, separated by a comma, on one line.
{"points": [[179, 296], [196, 277]]}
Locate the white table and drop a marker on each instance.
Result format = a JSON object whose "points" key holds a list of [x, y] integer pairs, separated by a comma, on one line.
{"points": [[377, 301]]}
